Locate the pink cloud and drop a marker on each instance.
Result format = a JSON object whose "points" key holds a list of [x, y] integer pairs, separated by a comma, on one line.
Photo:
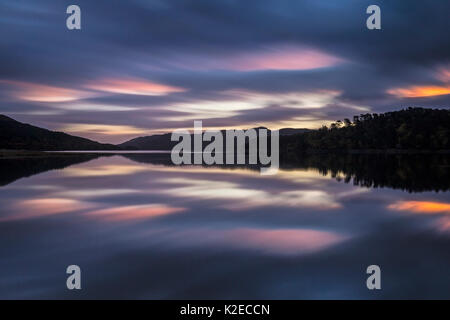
{"points": [[43, 93], [135, 212], [36, 208], [133, 86], [285, 57], [272, 241]]}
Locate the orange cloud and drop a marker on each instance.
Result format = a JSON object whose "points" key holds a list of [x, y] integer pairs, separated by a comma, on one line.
{"points": [[43, 93], [133, 86], [429, 207], [104, 129], [420, 91]]}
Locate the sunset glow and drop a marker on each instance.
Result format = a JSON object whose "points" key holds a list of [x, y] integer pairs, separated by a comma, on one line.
{"points": [[43, 93], [421, 206], [282, 57], [135, 212], [420, 91], [103, 129], [133, 86], [272, 241], [284, 241], [35, 208], [104, 170]]}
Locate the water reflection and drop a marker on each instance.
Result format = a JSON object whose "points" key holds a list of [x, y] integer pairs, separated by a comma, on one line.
{"points": [[411, 172], [135, 212], [140, 227], [19, 167], [34, 208], [421, 207]]}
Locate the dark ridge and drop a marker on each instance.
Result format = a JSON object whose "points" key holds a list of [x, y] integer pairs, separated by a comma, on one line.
{"points": [[15, 135], [408, 129]]}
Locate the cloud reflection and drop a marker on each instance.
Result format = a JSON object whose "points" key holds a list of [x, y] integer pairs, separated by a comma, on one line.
{"points": [[103, 170], [135, 212], [271, 241], [35, 208], [238, 197], [427, 207]]}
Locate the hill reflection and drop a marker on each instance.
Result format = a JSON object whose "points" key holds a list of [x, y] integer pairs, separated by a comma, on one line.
{"points": [[411, 173]]}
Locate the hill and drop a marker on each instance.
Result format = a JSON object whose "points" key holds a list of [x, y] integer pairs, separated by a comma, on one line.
{"points": [[153, 142], [20, 136], [418, 129], [407, 129], [163, 142]]}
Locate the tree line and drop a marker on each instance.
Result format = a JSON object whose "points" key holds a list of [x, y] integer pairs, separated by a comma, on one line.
{"points": [[407, 129]]}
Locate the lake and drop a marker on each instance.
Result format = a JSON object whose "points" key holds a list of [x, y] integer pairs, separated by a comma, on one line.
{"points": [[141, 228]]}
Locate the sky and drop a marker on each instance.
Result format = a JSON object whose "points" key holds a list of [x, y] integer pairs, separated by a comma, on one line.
{"points": [[140, 67]]}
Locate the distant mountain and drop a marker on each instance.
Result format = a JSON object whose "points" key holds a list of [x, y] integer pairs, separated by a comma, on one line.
{"points": [[419, 129], [153, 142], [15, 135], [20, 136], [163, 142]]}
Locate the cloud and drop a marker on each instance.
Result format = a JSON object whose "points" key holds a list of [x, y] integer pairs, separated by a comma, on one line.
{"points": [[94, 107], [275, 57], [420, 91], [427, 207], [234, 196], [103, 170], [37, 208], [269, 241], [102, 129], [132, 86], [43, 93], [135, 212]]}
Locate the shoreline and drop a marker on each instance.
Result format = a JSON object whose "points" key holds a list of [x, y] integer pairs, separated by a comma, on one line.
{"points": [[11, 154]]}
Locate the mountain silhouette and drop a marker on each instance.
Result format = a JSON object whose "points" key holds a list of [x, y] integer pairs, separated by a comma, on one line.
{"points": [[20, 136], [411, 129], [163, 142]]}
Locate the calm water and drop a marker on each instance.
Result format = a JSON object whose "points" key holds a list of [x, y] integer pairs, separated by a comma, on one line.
{"points": [[141, 228]]}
